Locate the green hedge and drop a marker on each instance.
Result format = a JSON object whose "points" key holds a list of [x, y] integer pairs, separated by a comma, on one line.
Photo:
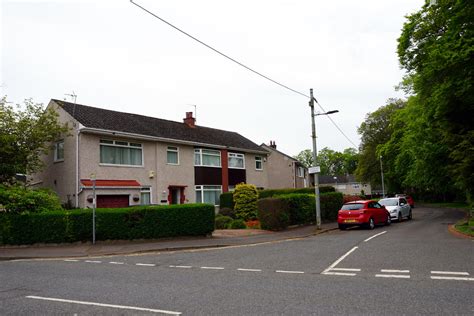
{"points": [[277, 192], [226, 200], [18, 199], [142, 222], [273, 214]]}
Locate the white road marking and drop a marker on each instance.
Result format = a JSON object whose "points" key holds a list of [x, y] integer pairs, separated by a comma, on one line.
{"points": [[451, 278], [375, 236], [285, 271], [213, 268], [71, 260], [93, 261], [394, 271], [345, 269], [181, 267], [145, 264], [249, 270], [340, 273], [339, 260], [104, 305], [115, 262], [449, 272], [397, 276]]}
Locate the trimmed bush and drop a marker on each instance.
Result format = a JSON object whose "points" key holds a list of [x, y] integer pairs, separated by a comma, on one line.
{"points": [[300, 207], [17, 199], [222, 222], [277, 192], [227, 212], [141, 222], [245, 198], [237, 224], [330, 204], [273, 214], [226, 200]]}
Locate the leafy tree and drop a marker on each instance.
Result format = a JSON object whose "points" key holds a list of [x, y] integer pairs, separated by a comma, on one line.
{"points": [[25, 134], [305, 157], [331, 161]]}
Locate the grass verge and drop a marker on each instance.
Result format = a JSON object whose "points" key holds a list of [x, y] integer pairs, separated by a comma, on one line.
{"points": [[466, 227]]}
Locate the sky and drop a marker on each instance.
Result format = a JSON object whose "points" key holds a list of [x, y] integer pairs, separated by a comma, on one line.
{"points": [[114, 55]]}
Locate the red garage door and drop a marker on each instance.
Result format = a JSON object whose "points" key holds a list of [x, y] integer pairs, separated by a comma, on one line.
{"points": [[112, 201]]}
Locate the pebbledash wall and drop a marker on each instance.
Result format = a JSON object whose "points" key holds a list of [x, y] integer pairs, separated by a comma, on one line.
{"points": [[155, 175]]}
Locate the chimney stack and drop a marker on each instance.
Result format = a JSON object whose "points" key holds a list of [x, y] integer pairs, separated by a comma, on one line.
{"points": [[272, 144], [189, 120]]}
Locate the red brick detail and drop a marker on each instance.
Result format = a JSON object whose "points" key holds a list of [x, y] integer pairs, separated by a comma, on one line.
{"points": [[225, 170], [111, 183]]}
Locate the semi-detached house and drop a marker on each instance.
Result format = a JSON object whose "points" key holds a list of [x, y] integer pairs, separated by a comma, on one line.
{"points": [[135, 159]]}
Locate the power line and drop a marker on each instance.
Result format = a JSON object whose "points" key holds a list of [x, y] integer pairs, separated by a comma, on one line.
{"points": [[242, 65]]}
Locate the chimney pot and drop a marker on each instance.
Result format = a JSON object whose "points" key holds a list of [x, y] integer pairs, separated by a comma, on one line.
{"points": [[189, 120]]}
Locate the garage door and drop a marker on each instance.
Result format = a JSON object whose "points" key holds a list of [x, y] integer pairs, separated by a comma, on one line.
{"points": [[104, 201]]}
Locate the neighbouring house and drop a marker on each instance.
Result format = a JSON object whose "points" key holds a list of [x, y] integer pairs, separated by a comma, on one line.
{"points": [[284, 171], [134, 159], [346, 184]]}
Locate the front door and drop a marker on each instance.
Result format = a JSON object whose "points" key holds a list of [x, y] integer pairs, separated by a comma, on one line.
{"points": [[176, 195]]}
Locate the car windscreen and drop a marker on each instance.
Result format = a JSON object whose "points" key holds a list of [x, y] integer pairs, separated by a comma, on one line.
{"points": [[353, 206], [389, 202]]}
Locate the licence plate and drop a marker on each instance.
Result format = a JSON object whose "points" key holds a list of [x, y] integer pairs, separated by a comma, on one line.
{"points": [[350, 221]]}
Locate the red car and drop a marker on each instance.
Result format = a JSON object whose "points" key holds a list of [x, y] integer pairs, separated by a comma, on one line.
{"points": [[408, 198], [363, 213]]}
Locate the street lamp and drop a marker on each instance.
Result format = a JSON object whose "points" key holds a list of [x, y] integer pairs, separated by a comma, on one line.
{"points": [[381, 173], [316, 169], [335, 180]]}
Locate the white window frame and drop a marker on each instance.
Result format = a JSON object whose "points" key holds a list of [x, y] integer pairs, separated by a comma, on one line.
{"points": [[200, 189], [300, 172], [58, 148], [258, 159], [120, 144], [238, 156], [210, 152], [173, 149], [146, 190]]}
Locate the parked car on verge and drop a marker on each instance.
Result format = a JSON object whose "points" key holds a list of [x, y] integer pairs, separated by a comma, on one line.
{"points": [[408, 198], [398, 208], [367, 213]]}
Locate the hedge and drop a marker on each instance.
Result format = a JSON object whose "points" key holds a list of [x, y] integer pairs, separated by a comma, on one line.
{"points": [[143, 222], [226, 200], [273, 214]]}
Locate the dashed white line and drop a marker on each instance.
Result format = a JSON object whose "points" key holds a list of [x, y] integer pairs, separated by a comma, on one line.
{"points": [[212, 268], [449, 272], [339, 260], [115, 262], [249, 270], [340, 273], [396, 276], [375, 236], [345, 269], [451, 278], [161, 311], [291, 272], [71, 260], [145, 264], [394, 271], [93, 261], [181, 267]]}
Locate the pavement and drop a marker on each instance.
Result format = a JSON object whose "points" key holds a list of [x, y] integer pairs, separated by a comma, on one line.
{"points": [[219, 238]]}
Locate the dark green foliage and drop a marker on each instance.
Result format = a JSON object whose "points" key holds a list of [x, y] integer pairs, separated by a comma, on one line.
{"points": [[228, 212], [300, 207], [269, 193], [273, 214], [226, 200], [245, 198], [142, 222], [330, 204], [222, 221], [17, 199], [237, 224]]}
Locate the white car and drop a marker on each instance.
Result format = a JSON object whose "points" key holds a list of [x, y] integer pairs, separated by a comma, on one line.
{"points": [[398, 208]]}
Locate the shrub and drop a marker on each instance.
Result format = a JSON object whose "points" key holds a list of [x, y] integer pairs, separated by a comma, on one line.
{"points": [[350, 198], [330, 204], [301, 208], [245, 198], [226, 200], [17, 199], [222, 222], [277, 192], [254, 224], [237, 224], [273, 214], [227, 212]]}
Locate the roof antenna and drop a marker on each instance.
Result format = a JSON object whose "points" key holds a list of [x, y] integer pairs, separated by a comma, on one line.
{"points": [[195, 111], [74, 96]]}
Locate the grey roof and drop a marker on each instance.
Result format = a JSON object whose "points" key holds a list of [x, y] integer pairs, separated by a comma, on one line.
{"points": [[93, 117]]}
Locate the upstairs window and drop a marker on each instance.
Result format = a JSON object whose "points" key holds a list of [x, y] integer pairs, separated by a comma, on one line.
{"points": [[236, 161], [207, 157], [116, 152], [59, 151], [300, 172], [172, 155], [258, 163]]}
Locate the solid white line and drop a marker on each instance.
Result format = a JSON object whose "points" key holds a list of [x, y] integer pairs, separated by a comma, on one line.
{"points": [[181, 267], [295, 272], [104, 305], [394, 271], [93, 261], [115, 262], [339, 273], [451, 278], [345, 269], [340, 259], [397, 276], [375, 236], [145, 264], [449, 272], [249, 270], [213, 268], [71, 260]]}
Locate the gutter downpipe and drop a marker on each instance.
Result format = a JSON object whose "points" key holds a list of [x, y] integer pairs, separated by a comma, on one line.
{"points": [[77, 167]]}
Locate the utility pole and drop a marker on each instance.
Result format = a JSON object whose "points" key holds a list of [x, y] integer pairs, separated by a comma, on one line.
{"points": [[315, 163], [381, 172]]}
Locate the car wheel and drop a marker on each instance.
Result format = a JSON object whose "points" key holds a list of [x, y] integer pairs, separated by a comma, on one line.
{"points": [[410, 216], [371, 224], [388, 221], [342, 227], [400, 217]]}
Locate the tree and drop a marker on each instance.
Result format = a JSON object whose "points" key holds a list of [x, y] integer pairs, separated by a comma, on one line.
{"points": [[331, 161], [26, 133], [305, 157], [436, 48]]}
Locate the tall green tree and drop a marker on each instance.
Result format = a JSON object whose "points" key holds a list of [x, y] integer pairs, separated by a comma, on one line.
{"points": [[305, 157], [331, 162], [436, 48], [26, 133]]}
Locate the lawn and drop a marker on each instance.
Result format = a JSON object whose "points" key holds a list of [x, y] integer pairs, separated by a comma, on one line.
{"points": [[466, 227]]}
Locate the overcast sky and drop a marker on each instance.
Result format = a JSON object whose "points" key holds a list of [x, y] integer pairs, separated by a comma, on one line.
{"points": [[114, 55]]}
